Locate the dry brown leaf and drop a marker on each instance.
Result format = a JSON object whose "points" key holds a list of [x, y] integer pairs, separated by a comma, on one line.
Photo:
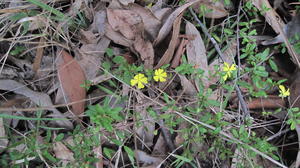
{"points": [[127, 22], [277, 24], [187, 85], [62, 152], [117, 37], [147, 159], [71, 77], [100, 22], [91, 57], [166, 28], [40, 99], [168, 55], [160, 148], [162, 14], [146, 51], [217, 8], [88, 37], [196, 52], [151, 23], [16, 102], [157, 6]]}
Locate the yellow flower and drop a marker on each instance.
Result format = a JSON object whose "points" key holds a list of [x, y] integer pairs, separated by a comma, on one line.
{"points": [[160, 75], [140, 80], [228, 70], [283, 92]]}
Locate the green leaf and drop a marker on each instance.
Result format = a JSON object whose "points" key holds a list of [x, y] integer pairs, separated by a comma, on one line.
{"points": [[293, 125], [213, 103], [181, 158], [119, 60], [48, 8], [59, 137], [48, 156], [108, 152], [273, 65], [17, 50], [130, 154], [106, 65], [109, 52], [105, 90]]}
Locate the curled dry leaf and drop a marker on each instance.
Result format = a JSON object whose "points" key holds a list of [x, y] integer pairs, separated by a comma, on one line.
{"points": [[168, 55], [127, 22], [146, 51], [40, 99], [217, 8], [166, 28], [151, 23], [71, 77], [130, 24]]}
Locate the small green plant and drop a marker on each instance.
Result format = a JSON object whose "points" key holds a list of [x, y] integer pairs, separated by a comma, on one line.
{"points": [[294, 117], [103, 116]]}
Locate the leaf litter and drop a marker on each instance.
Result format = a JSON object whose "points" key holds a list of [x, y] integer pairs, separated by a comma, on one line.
{"points": [[164, 124]]}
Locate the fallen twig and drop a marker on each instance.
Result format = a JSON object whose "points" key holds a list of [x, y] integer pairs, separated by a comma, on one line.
{"points": [[238, 90]]}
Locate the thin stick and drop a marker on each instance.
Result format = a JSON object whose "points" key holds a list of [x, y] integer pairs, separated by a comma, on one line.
{"points": [[238, 90]]}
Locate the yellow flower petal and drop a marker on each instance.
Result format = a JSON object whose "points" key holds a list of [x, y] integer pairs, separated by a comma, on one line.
{"points": [[139, 80], [232, 68], [160, 75], [163, 79], [282, 88], [133, 82], [225, 77], [144, 80], [140, 85], [283, 92], [228, 70]]}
